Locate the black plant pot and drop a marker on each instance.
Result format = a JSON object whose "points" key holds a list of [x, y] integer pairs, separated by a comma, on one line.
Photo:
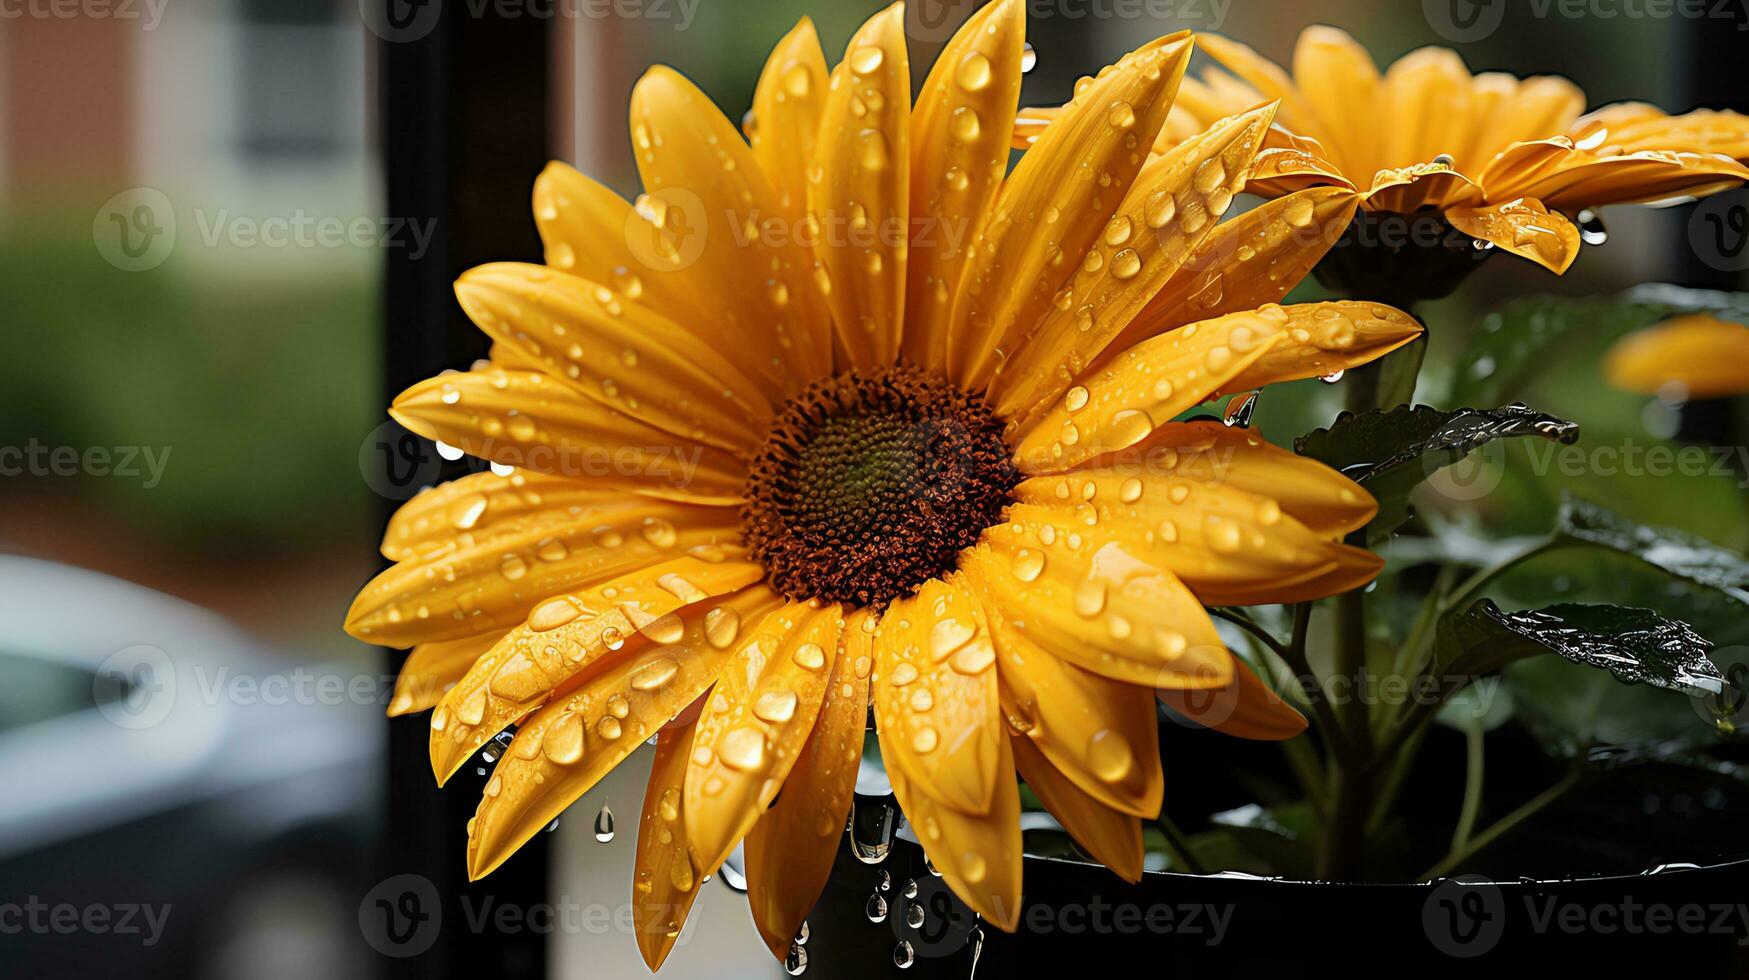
{"points": [[1081, 920]]}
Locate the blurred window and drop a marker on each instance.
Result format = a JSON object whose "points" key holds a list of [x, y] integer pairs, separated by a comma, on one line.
{"points": [[290, 57]]}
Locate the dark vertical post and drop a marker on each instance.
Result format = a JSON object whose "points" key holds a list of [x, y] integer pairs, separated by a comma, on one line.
{"points": [[463, 115]]}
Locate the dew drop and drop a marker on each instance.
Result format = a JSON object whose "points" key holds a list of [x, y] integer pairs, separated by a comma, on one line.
{"points": [[604, 826], [973, 73]]}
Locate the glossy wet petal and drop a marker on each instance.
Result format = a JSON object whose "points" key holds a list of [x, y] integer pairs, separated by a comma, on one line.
{"points": [[617, 351], [453, 515], [936, 703], [755, 724], [959, 155], [432, 669], [1056, 203], [1099, 732], [1523, 227], [1250, 261], [859, 193], [1100, 604], [1171, 209], [666, 883], [1246, 708], [529, 420], [567, 634], [1114, 839], [565, 747], [979, 856], [491, 581], [710, 209], [791, 849], [785, 124]]}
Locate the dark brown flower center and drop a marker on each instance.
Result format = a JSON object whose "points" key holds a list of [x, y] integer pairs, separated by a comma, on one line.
{"points": [[871, 483]]}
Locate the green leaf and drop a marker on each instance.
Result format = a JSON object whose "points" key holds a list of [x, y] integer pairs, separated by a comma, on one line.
{"points": [[1391, 452], [1676, 553], [1638, 646], [1525, 337]]}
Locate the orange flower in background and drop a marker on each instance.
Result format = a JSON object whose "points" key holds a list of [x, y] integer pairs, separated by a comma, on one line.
{"points": [[1694, 356], [853, 414], [1505, 160]]}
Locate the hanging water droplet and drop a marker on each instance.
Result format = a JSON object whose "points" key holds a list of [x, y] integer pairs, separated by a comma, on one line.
{"points": [[1028, 58], [732, 874], [448, 451], [796, 963], [1332, 377], [871, 830], [910, 890], [903, 956], [976, 941], [1591, 230], [914, 915], [1240, 410], [553, 826], [604, 825], [876, 908]]}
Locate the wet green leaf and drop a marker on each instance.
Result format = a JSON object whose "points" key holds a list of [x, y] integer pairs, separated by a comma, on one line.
{"points": [[1677, 553], [1391, 452], [1637, 646]]}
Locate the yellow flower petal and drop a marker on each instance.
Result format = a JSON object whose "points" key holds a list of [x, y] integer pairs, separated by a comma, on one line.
{"points": [[1101, 605], [715, 207], [1701, 355], [1053, 207], [433, 668], [1324, 339], [978, 855], [589, 230], [1421, 185], [452, 515], [1170, 210], [1210, 536], [1426, 96], [1246, 708], [957, 167], [754, 725], [1099, 732], [937, 708], [568, 633], [1250, 261], [1325, 501], [1118, 405], [1263, 75], [1355, 567], [1523, 227], [1289, 163], [1340, 86], [532, 421], [1114, 839], [490, 582], [858, 199], [667, 883], [787, 105], [791, 849], [572, 741], [618, 352]]}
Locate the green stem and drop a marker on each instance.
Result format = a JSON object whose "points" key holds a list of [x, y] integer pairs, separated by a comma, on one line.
{"points": [[1481, 841], [1483, 576], [1474, 739]]}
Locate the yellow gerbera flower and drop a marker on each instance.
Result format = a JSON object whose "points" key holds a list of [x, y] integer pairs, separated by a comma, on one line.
{"points": [[1505, 160], [1694, 356], [852, 414]]}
